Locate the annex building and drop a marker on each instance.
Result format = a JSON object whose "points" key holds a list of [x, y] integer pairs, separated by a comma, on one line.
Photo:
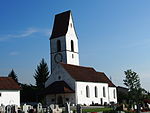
{"points": [[9, 92], [70, 82]]}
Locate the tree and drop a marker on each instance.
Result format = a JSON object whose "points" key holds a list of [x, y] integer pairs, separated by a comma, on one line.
{"points": [[41, 74], [13, 75], [132, 81]]}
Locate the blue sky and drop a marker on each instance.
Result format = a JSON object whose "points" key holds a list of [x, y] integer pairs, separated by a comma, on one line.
{"points": [[114, 35]]}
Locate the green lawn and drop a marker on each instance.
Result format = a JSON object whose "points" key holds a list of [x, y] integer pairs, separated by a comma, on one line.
{"points": [[97, 109]]}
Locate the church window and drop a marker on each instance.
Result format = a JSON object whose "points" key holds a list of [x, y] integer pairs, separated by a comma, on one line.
{"points": [[104, 93], [87, 91], [72, 56], [0, 94], [58, 46], [67, 99], [53, 100], [72, 46], [114, 93], [96, 91], [59, 77]]}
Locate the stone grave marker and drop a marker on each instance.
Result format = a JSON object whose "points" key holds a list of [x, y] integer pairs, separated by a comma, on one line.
{"points": [[39, 108]]}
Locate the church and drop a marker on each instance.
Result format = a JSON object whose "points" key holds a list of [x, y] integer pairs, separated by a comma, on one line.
{"points": [[70, 82]]}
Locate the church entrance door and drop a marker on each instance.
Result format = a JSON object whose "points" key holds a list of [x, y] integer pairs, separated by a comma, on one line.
{"points": [[60, 100]]}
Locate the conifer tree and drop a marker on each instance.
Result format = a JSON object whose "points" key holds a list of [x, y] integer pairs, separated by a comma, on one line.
{"points": [[13, 75], [41, 74]]}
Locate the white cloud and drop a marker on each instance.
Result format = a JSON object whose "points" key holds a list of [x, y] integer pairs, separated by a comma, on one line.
{"points": [[26, 33], [14, 53]]}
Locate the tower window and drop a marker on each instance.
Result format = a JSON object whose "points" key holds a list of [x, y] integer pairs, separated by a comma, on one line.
{"points": [[58, 46], [87, 91], [72, 46], [71, 25]]}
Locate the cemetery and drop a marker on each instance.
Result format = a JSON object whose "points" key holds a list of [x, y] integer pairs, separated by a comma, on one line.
{"points": [[70, 88]]}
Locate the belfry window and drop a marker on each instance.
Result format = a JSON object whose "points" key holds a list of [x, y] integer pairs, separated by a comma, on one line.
{"points": [[95, 91], [58, 46], [87, 91], [72, 46]]}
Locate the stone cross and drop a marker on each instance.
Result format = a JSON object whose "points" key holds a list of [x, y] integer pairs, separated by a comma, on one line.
{"points": [[67, 107]]}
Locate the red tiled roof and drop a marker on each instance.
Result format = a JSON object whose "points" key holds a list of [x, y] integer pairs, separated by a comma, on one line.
{"points": [[86, 74], [58, 87], [106, 79], [7, 83], [61, 23]]}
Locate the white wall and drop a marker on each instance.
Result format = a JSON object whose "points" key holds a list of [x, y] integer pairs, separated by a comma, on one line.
{"points": [[70, 96], [112, 97], [81, 93], [9, 97], [53, 45], [71, 35], [60, 71]]}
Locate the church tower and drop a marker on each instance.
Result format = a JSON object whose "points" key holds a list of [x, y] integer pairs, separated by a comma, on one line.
{"points": [[64, 41]]}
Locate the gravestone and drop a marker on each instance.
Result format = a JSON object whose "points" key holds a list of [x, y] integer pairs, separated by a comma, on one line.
{"points": [[79, 108], [39, 108], [55, 109], [48, 109], [8, 109], [2, 108], [26, 108]]}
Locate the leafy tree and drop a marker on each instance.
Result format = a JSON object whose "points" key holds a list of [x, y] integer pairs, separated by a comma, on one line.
{"points": [[13, 75], [41, 74], [132, 81]]}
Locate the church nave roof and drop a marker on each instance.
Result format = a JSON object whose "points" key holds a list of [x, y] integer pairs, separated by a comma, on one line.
{"points": [[86, 74]]}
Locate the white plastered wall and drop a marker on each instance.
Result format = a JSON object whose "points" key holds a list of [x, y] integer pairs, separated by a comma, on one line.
{"points": [[81, 93], [112, 94], [60, 72], [10, 97], [71, 35], [50, 99]]}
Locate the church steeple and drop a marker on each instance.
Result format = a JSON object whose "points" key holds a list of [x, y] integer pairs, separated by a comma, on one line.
{"points": [[64, 41]]}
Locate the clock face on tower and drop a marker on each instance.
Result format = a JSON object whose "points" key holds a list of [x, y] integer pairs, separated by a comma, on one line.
{"points": [[58, 57]]}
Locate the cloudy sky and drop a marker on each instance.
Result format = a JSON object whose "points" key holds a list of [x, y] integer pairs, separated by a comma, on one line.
{"points": [[114, 35]]}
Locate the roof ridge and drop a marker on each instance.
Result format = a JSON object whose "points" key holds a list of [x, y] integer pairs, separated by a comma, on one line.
{"points": [[77, 65], [67, 11]]}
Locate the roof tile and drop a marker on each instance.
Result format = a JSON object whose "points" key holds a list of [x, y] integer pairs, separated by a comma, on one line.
{"points": [[7, 83]]}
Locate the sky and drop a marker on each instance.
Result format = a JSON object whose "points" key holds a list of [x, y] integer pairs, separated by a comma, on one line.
{"points": [[114, 36]]}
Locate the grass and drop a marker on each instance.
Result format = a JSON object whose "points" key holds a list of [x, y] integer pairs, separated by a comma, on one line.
{"points": [[97, 109]]}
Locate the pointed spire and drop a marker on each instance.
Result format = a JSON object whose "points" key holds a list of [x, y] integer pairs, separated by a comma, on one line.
{"points": [[61, 23]]}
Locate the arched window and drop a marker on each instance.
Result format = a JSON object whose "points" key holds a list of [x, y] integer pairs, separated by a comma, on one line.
{"points": [[87, 91], [96, 91], [72, 46], [114, 93], [58, 46], [104, 93]]}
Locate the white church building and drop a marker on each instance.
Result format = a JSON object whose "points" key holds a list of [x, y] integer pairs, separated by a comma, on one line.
{"points": [[68, 80]]}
